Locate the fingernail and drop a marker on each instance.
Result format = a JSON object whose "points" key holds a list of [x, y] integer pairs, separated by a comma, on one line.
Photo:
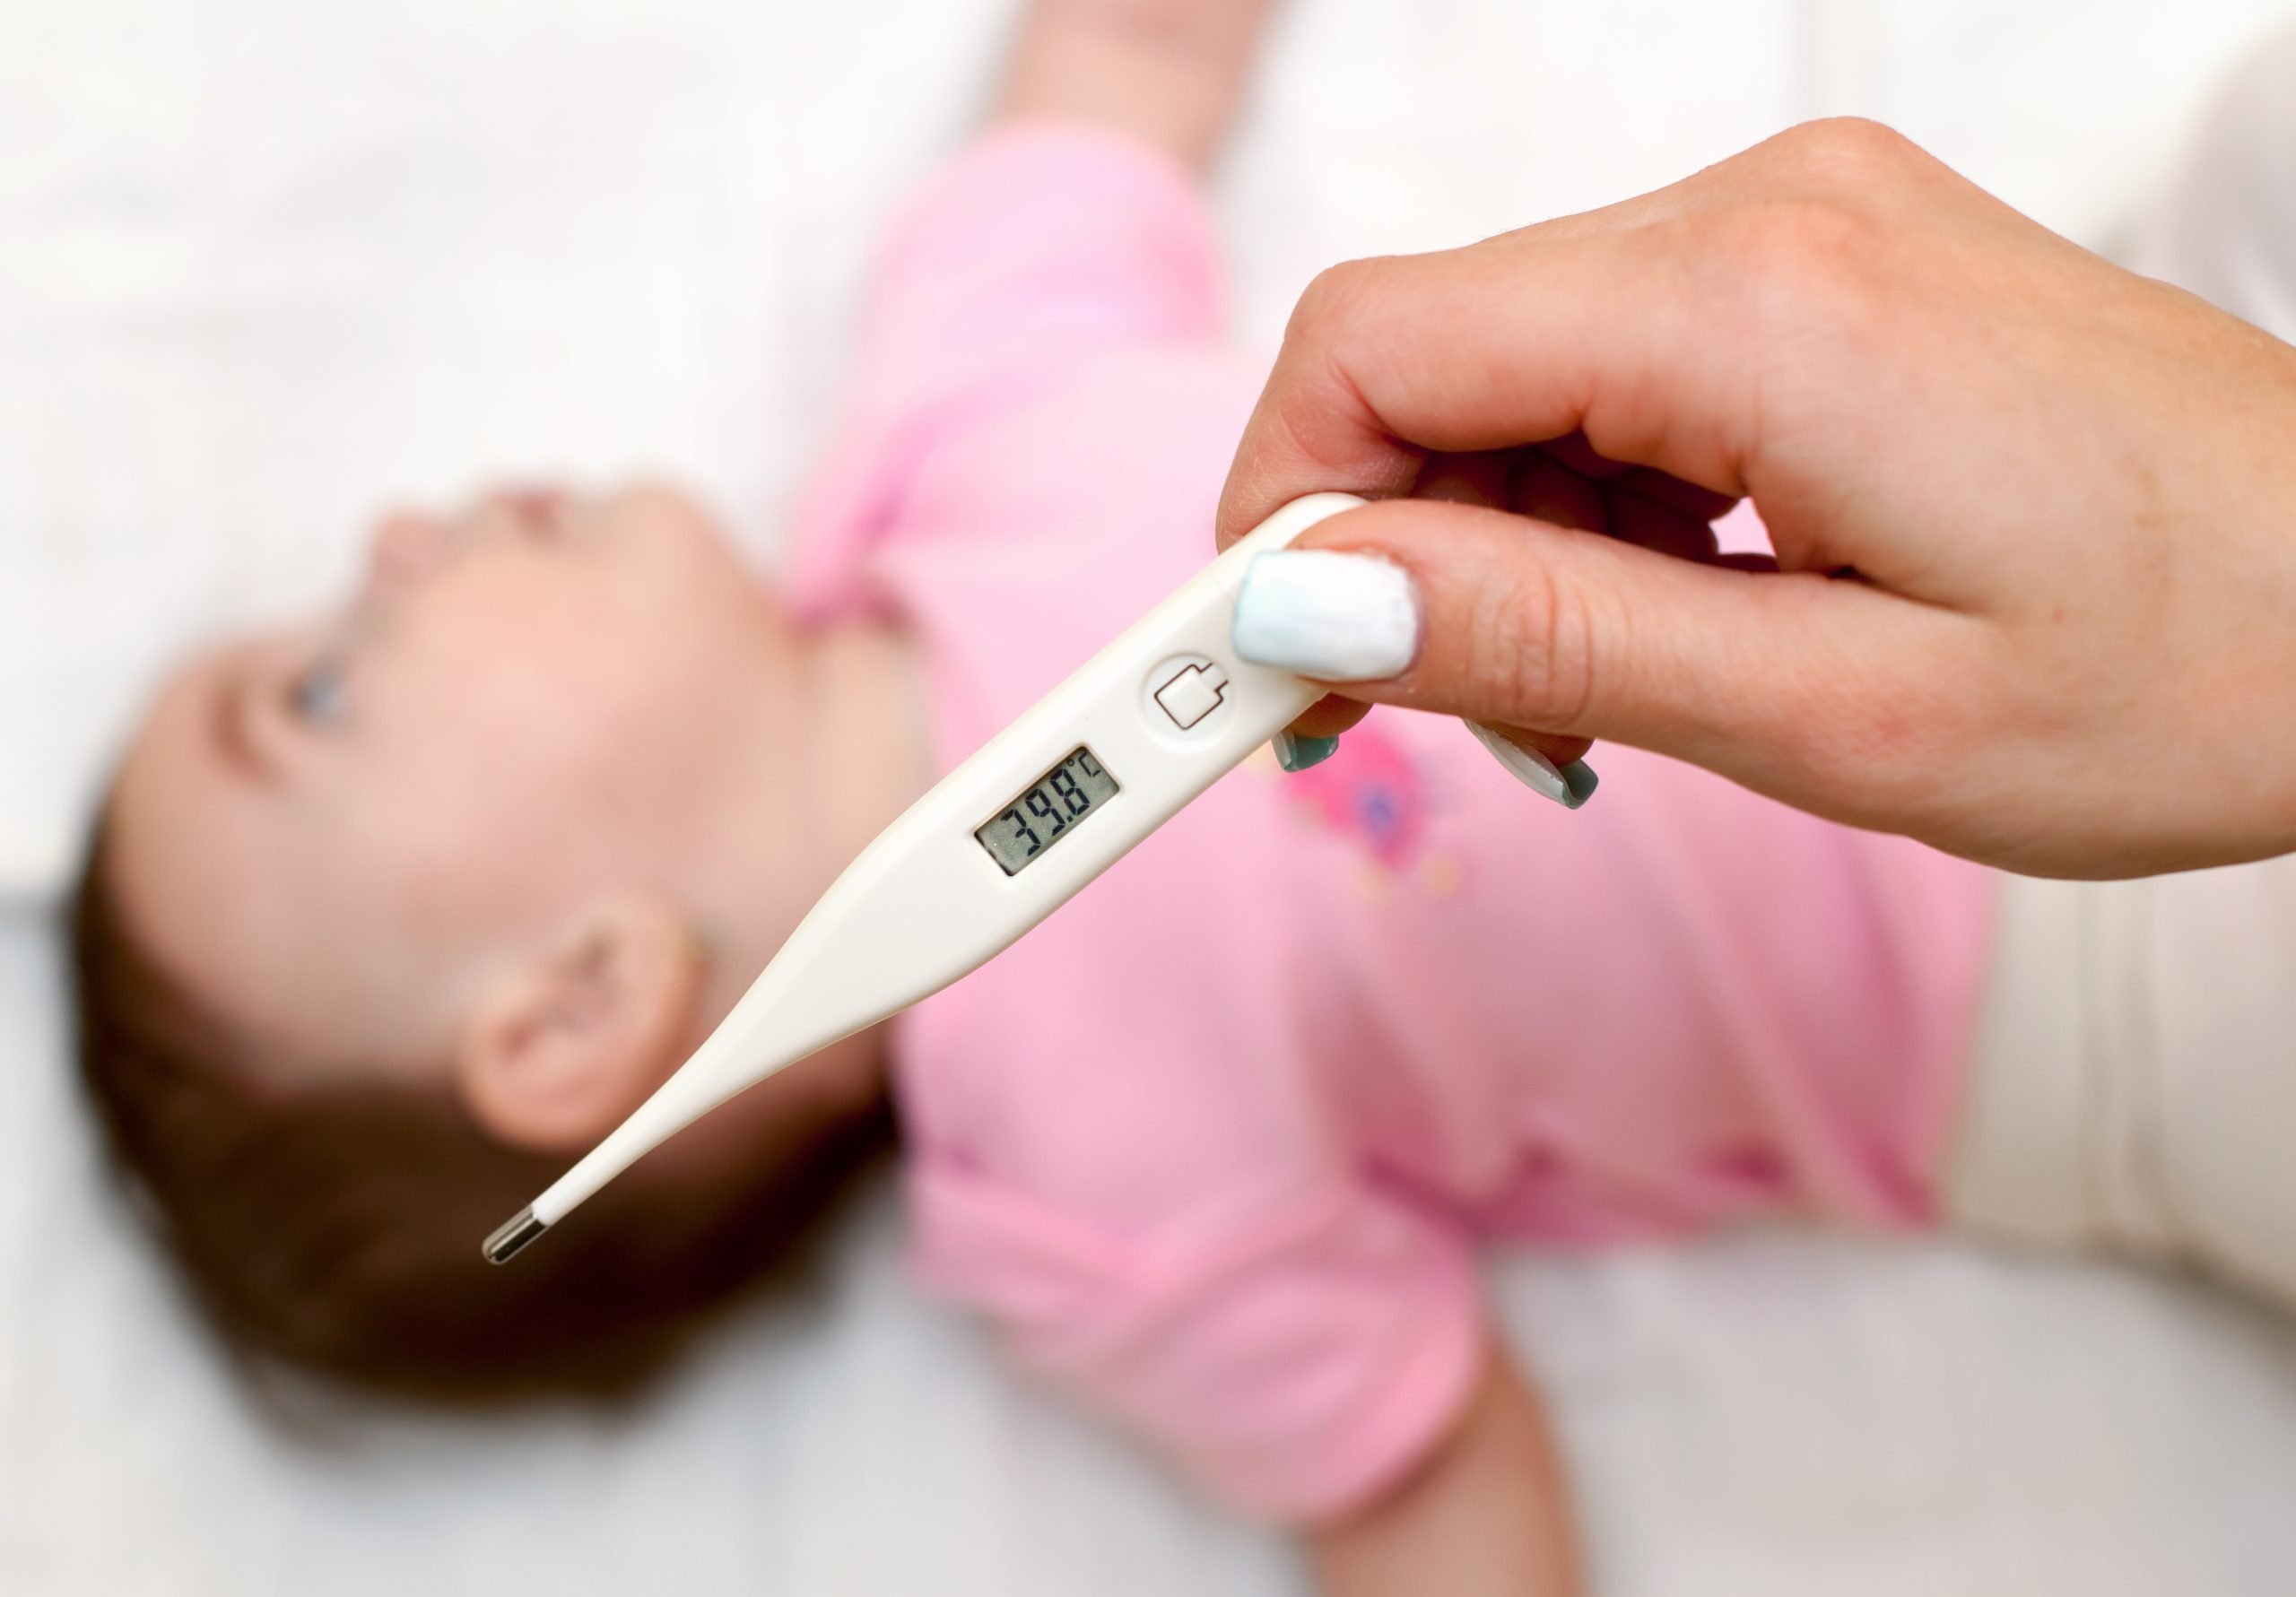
{"points": [[1296, 753], [1342, 618], [1569, 786]]}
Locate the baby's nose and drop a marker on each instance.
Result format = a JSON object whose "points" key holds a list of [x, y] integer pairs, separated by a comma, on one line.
{"points": [[405, 545]]}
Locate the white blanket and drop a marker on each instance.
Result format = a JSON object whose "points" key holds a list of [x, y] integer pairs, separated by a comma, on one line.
{"points": [[268, 264]]}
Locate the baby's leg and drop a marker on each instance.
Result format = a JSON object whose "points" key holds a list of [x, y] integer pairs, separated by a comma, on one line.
{"points": [[2133, 1088], [2135, 1084]]}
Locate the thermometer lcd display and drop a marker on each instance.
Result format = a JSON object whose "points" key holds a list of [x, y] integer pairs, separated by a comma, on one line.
{"points": [[1041, 816]]}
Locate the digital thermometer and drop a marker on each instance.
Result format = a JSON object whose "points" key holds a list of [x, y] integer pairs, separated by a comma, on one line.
{"points": [[997, 845]]}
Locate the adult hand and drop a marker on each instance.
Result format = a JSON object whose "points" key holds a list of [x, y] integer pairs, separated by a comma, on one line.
{"points": [[2034, 516]]}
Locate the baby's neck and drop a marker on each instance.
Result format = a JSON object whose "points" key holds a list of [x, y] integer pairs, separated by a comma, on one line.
{"points": [[839, 746], [866, 744]]}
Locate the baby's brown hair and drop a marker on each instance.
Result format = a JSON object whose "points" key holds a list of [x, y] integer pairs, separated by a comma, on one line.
{"points": [[338, 1227]]}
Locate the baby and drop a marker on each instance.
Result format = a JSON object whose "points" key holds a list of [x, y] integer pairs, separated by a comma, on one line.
{"points": [[389, 917]]}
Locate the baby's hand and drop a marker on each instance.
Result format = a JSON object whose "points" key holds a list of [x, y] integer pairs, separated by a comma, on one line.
{"points": [[1169, 72], [1486, 1515]]}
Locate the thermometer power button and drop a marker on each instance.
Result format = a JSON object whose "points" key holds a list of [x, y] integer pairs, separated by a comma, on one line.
{"points": [[1191, 692]]}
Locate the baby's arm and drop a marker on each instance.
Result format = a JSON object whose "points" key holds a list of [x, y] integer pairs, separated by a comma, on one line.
{"points": [[1169, 72], [1485, 1515]]}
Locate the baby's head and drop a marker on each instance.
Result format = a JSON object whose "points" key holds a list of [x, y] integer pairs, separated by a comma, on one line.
{"points": [[389, 917]]}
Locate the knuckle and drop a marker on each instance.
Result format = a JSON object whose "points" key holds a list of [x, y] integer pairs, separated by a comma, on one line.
{"points": [[1801, 241], [1822, 227], [1850, 153], [1530, 656], [1801, 261], [1332, 300], [1323, 301]]}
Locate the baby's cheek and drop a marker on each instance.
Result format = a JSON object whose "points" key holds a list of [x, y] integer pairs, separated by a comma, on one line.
{"points": [[464, 824]]}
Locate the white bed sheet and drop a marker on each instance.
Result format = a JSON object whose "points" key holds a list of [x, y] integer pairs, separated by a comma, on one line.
{"points": [[265, 265]]}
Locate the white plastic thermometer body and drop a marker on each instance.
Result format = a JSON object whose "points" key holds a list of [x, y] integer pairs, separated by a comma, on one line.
{"points": [[1000, 843]]}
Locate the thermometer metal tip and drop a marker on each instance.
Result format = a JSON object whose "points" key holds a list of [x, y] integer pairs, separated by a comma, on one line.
{"points": [[510, 1237]]}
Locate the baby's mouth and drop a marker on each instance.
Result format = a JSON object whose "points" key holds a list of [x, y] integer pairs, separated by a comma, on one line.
{"points": [[539, 513]]}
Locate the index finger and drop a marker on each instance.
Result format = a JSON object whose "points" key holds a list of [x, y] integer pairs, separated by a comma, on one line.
{"points": [[1616, 332]]}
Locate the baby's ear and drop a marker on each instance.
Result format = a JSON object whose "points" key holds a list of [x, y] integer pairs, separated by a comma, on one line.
{"points": [[562, 1046]]}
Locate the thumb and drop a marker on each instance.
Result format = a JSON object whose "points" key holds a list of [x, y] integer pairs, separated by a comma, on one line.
{"points": [[1817, 691]]}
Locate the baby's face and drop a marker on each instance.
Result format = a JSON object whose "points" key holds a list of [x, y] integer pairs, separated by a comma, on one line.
{"points": [[327, 834]]}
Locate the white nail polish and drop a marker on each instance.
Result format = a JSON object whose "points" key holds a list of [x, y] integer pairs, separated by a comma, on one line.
{"points": [[1532, 769], [1343, 618]]}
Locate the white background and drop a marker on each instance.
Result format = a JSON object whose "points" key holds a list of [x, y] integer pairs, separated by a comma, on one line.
{"points": [[269, 265]]}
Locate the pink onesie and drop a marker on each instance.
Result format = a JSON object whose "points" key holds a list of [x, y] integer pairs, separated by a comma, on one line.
{"points": [[1216, 1144]]}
